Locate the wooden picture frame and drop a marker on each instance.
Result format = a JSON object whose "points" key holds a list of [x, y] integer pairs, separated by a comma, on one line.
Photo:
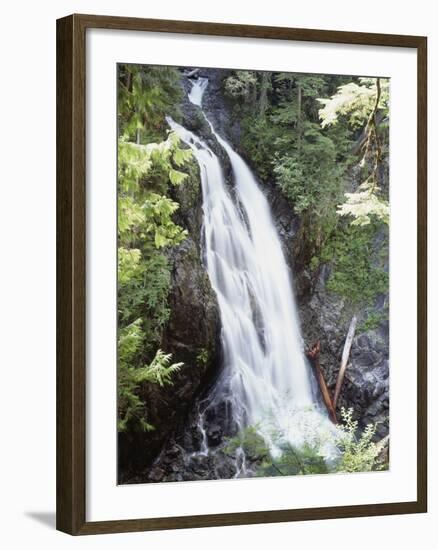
{"points": [[71, 273]]}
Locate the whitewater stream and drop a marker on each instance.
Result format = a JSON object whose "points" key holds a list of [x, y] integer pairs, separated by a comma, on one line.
{"points": [[266, 379]]}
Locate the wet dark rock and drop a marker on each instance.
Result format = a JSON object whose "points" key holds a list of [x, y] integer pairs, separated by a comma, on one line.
{"points": [[214, 435], [195, 121], [156, 475], [194, 324], [225, 469], [218, 108], [191, 439], [325, 316], [192, 335]]}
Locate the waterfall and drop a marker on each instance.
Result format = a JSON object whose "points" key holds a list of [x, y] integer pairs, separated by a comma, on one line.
{"points": [[266, 379]]}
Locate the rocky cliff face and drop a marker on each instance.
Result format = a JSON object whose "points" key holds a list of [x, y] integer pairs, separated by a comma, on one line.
{"points": [[193, 330], [192, 335], [324, 316]]}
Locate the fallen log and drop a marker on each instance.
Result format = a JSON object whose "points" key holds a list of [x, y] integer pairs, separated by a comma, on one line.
{"points": [[192, 73], [344, 360], [313, 355]]}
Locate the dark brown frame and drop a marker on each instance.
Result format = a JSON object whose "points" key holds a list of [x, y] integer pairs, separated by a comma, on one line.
{"points": [[71, 266]]}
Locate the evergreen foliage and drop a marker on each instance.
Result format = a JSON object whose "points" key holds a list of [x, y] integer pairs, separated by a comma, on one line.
{"points": [[363, 104], [150, 162], [355, 272], [288, 145], [314, 130], [373, 321], [145, 96]]}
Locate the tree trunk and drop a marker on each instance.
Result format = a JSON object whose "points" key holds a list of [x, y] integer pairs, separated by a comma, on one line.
{"points": [[313, 355], [344, 360]]}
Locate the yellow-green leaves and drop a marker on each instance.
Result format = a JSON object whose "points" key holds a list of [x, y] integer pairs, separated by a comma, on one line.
{"points": [[363, 205], [138, 163], [142, 211], [131, 409], [130, 215], [134, 163], [128, 264], [356, 101], [181, 156], [161, 369], [153, 217], [176, 177], [150, 161], [359, 454], [158, 211], [363, 105]]}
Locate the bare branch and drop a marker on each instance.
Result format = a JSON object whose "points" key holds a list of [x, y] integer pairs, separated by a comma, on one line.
{"points": [[344, 360]]}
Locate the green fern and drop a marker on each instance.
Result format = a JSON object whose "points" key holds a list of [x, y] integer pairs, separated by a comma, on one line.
{"points": [[132, 410]]}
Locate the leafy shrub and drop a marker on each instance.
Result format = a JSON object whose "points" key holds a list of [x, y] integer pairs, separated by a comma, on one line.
{"points": [[294, 461], [150, 159], [364, 104], [250, 441], [358, 453], [132, 410], [373, 321]]}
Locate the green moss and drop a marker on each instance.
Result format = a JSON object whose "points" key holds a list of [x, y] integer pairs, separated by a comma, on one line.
{"points": [[373, 321], [314, 263], [355, 274], [250, 441]]}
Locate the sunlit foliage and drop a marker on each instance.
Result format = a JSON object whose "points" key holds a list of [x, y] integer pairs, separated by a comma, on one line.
{"points": [[358, 452], [288, 145], [316, 132], [356, 273], [150, 162], [354, 451], [132, 409], [364, 105]]}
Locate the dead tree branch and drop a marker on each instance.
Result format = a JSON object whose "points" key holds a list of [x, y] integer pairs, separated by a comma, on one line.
{"points": [[313, 354], [344, 360]]}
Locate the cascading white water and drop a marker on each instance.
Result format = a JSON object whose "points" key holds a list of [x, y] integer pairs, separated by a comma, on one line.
{"points": [[266, 377]]}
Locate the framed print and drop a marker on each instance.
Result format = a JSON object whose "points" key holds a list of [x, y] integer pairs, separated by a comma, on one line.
{"points": [[241, 274]]}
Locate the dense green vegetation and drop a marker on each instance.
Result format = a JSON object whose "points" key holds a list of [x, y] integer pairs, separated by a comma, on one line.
{"points": [[150, 161], [307, 134], [323, 141], [356, 274], [250, 441], [356, 452]]}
